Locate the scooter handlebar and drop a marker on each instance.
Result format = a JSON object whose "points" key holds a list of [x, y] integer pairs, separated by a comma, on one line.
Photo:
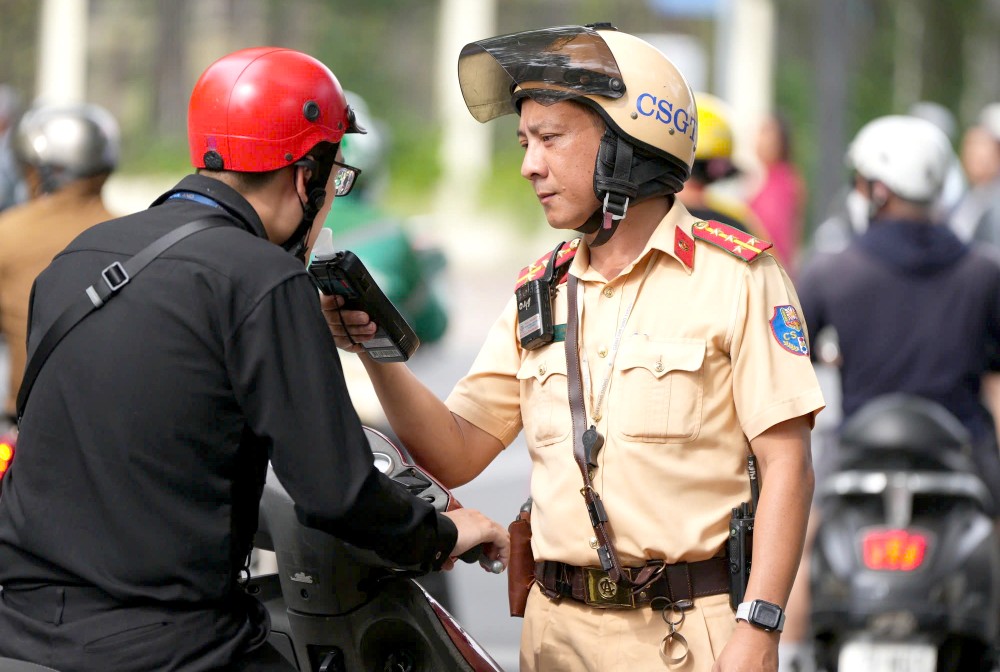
{"points": [[478, 554]]}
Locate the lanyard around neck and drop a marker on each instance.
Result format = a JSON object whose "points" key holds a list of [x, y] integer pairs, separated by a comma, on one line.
{"points": [[595, 410]]}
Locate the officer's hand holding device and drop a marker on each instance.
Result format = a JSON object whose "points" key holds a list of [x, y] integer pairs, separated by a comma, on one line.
{"points": [[341, 273]]}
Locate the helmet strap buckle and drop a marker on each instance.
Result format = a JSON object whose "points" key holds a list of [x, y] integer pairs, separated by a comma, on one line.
{"points": [[614, 210]]}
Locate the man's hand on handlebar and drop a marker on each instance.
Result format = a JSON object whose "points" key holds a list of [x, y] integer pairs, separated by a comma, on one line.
{"points": [[475, 529], [350, 328]]}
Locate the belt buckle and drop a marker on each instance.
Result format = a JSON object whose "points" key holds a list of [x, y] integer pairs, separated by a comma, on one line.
{"points": [[601, 592]]}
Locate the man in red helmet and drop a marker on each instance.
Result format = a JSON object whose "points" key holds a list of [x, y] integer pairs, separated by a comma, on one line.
{"points": [[130, 509]]}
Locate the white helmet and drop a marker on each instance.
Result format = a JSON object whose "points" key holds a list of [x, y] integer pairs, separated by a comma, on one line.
{"points": [[910, 156]]}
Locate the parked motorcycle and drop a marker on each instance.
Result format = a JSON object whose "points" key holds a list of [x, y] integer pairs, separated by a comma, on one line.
{"points": [[338, 608], [905, 568]]}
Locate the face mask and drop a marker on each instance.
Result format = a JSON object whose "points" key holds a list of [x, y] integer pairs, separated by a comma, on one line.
{"points": [[858, 211]]}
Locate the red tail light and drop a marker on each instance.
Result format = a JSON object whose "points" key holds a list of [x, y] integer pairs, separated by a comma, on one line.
{"points": [[894, 550], [6, 454]]}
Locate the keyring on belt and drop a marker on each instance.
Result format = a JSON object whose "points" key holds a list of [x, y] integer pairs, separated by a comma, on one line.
{"points": [[667, 608]]}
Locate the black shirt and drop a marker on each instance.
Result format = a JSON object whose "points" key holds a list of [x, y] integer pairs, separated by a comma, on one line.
{"points": [[145, 442], [915, 311]]}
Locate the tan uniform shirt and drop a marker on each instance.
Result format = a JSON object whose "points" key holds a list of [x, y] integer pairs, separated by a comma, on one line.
{"points": [[31, 234], [711, 356]]}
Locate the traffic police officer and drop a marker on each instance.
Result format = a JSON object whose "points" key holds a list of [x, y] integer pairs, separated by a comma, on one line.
{"points": [[130, 508], [691, 350]]}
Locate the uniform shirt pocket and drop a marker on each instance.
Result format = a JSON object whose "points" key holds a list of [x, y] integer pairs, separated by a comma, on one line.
{"points": [[662, 388], [545, 395]]}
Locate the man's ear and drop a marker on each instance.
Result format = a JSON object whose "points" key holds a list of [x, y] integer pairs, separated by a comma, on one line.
{"points": [[305, 169], [880, 194]]}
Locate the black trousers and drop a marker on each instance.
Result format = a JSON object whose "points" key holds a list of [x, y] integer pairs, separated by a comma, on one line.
{"points": [[74, 629]]}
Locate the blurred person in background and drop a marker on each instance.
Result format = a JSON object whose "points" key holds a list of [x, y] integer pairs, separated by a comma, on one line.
{"points": [[130, 508], [779, 198], [848, 216], [713, 163], [713, 362], [954, 182], [12, 187], [66, 154], [977, 215], [914, 309]]}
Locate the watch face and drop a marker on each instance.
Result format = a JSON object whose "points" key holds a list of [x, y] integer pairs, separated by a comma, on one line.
{"points": [[765, 614]]}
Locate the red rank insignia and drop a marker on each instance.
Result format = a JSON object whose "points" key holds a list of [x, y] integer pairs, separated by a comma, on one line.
{"points": [[732, 240], [537, 269], [684, 247]]}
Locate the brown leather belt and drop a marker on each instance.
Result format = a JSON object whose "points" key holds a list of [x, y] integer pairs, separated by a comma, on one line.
{"points": [[593, 586]]}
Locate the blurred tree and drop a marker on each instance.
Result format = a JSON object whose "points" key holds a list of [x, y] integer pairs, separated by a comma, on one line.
{"points": [[18, 42], [842, 63], [171, 90]]}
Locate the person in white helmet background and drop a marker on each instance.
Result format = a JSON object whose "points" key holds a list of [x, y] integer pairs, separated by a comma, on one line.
{"points": [[674, 346], [914, 309]]}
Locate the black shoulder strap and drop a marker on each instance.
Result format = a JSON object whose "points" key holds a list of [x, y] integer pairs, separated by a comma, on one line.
{"points": [[112, 279]]}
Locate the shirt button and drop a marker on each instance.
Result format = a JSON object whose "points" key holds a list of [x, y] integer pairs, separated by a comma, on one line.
{"points": [[593, 542], [542, 370], [603, 351], [609, 292], [437, 556], [659, 366]]}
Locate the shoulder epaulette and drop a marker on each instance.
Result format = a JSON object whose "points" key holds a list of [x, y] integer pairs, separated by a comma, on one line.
{"points": [[732, 240], [537, 269]]}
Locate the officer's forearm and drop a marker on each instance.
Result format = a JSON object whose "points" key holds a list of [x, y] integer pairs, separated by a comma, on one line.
{"points": [[435, 438], [786, 492]]}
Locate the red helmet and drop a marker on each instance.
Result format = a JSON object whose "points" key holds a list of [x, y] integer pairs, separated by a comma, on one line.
{"points": [[264, 108]]}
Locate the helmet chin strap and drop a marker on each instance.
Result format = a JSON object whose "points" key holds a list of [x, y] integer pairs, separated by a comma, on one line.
{"points": [[315, 198], [620, 177], [296, 243]]}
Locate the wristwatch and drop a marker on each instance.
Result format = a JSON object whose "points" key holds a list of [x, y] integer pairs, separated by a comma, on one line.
{"points": [[764, 615]]}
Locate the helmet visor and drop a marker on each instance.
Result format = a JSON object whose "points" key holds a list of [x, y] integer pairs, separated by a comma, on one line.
{"points": [[573, 60]]}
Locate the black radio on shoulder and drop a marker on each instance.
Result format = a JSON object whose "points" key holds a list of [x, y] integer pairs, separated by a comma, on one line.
{"points": [[534, 308], [534, 314]]}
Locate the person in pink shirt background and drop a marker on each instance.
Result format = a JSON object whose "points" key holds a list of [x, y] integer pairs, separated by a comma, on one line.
{"points": [[780, 196]]}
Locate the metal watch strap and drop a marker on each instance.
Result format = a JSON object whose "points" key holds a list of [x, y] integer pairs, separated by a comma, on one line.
{"points": [[595, 507], [111, 281]]}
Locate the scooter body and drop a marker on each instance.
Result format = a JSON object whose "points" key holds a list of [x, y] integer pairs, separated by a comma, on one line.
{"points": [[905, 567], [338, 608]]}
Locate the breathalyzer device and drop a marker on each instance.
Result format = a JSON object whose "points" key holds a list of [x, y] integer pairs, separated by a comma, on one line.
{"points": [[341, 273]]}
